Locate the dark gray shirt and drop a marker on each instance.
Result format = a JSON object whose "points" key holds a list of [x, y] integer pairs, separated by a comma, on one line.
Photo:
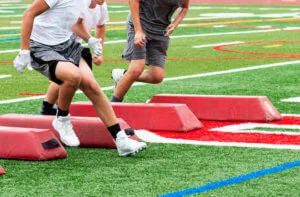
{"points": [[155, 16]]}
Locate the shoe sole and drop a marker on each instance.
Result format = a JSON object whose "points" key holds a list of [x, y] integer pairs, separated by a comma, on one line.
{"points": [[133, 153]]}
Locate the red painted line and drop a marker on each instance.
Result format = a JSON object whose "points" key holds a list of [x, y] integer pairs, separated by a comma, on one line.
{"points": [[29, 94], [268, 138], [269, 55], [2, 63]]}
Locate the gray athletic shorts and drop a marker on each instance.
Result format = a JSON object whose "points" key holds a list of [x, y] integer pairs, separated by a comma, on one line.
{"points": [[44, 58], [154, 50]]}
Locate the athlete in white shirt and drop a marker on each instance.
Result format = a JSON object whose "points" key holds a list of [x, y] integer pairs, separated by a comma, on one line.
{"points": [[95, 16], [47, 42]]}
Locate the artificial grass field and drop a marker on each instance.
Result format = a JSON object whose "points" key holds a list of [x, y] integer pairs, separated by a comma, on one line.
{"points": [[164, 168]]}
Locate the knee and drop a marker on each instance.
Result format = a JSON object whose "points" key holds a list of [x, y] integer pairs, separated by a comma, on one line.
{"points": [[134, 73], [73, 80], [157, 79], [91, 87]]}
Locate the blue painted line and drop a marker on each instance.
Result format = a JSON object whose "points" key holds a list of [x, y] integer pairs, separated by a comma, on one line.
{"points": [[9, 39], [233, 180], [4, 33]]}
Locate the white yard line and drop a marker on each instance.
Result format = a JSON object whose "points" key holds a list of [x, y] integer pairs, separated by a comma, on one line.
{"points": [[108, 23], [117, 6], [11, 1], [6, 11], [225, 33], [153, 138], [291, 28], [10, 51], [15, 22], [250, 128], [11, 16], [9, 28], [119, 11], [218, 44], [4, 76], [181, 36], [292, 100], [175, 78], [16, 7], [295, 115]]}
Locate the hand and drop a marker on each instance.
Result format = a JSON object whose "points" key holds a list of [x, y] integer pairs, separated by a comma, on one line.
{"points": [[97, 60], [139, 38], [170, 29], [100, 2], [96, 46], [22, 60]]}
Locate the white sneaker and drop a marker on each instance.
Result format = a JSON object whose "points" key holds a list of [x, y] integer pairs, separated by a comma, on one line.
{"points": [[65, 129], [127, 146], [117, 74]]}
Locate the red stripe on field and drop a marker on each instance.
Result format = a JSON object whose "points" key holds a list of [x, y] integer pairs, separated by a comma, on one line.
{"points": [[269, 55], [268, 138], [5, 63], [29, 94]]}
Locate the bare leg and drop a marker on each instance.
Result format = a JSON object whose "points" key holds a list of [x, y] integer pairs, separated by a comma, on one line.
{"points": [[92, 90], [136, 68], [70, 75], [48, 107], [52, 93], [153, 75]]}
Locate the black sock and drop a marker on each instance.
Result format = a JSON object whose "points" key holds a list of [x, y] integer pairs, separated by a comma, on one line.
{"points": [[115, 99], [62, 112], [114, 130], [47, 105]]}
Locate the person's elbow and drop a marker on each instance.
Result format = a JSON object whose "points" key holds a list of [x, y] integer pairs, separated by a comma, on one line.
{"points": [[29, 15]]}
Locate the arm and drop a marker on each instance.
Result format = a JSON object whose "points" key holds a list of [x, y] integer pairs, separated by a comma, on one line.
{"points": [[100, 33], [179, 17], [37, 7], [80, 29], [135, 13], [23, 58]]}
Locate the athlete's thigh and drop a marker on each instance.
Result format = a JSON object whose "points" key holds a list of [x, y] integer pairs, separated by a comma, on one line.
{"points": [[66, 71], [87, 76]]}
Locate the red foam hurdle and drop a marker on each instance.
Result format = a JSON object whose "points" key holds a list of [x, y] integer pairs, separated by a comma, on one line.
{"points": [[224, 108], [166, 117], [91, 131], [30, 144], [2, 171]]}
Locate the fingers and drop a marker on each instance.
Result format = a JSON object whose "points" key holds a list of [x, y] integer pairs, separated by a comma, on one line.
{"points": [[139, 39], [139, 42], [170, 29], [97, 60]]}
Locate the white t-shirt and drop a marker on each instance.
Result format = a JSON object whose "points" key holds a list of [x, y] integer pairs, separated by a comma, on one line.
{"points": [[95, 16], [55, 25]]}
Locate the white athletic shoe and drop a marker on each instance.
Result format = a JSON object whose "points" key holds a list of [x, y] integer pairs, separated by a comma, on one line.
{"points": [[65, 129], [127, 146], [117, 74]]}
